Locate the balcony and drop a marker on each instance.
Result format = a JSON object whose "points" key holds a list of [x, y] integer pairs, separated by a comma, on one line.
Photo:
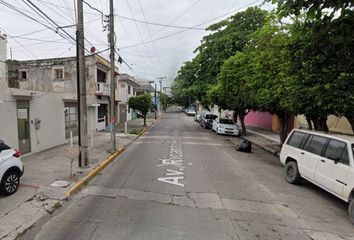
{"points": [[103, 89]]}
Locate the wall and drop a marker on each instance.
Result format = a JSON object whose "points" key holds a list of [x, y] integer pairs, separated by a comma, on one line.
{"points": [[259, 119], [335, 124], [3, 57], [49, 107], [8, 118]]}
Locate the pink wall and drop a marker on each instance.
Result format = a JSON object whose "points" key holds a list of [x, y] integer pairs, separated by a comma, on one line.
{"points": [[259, 119]]}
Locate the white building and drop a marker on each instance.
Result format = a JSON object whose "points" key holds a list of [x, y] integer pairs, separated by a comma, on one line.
{"points": [[3, 57], [127, 88], [38, 104]]}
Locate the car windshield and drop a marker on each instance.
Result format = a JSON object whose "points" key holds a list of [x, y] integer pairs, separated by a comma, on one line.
{"points": [[210, 116], [226, 121]]}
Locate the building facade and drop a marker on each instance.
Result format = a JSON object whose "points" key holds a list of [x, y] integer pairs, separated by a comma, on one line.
{"points": [[127, 88], [39, 100]]}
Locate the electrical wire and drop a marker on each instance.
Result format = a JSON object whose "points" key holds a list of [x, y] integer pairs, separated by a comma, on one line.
{"points": [[197, 25]]}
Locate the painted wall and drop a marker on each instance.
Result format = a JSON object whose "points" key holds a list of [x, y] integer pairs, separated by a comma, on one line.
{"points": [[259, 119], [49, 107], [3, 57], [335, 124], [8, 118]]}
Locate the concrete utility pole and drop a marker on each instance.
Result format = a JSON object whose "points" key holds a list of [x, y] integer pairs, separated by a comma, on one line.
{"points": [[113, 81], [155, 99], [83, 156], [160, 80]]}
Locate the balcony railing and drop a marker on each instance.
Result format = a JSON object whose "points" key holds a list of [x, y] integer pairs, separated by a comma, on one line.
{"points": [[103, 89]]}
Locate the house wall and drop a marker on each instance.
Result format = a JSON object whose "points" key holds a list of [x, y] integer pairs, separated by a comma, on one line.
{"points": [[49, 107], [8, 118], [259, 119], [335, 124], [3, 57]]}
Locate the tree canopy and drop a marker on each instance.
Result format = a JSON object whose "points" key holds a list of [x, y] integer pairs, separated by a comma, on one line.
{"points": [[141, 103]]}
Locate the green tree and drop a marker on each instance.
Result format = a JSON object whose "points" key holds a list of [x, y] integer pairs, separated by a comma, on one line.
{"points": [[271, 83], [142, 103], [232, 91], [227, 37], [165, 101]]}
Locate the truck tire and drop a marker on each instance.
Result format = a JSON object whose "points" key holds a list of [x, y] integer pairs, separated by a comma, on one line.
{"points": [[292, 174]]}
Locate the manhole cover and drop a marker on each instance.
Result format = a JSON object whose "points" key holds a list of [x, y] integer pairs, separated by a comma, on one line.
{"points": [[60, 183]]}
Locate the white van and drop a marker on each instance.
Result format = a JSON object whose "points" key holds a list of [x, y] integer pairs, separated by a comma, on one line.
{"points": [[324, 159]]}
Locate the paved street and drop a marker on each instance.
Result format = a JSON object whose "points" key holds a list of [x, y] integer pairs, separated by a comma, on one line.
{"points": [[180, 181]]}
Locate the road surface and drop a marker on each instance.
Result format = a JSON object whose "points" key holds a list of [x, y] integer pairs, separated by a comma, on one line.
{"points": [[180, 181]]}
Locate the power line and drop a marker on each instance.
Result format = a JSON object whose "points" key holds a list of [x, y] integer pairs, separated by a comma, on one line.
{"points": [[197, 25], [153, 43]]}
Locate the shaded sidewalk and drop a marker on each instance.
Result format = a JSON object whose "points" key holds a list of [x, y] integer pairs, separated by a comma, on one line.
{"points": [[37, 197], [265, 139]]}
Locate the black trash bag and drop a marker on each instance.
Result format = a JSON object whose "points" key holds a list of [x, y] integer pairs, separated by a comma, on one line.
{"points": [[245, 146]]}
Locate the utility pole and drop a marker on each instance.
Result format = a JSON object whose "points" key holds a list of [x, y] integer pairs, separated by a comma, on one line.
{"points": [[160, 80], [83, 156], [113, 80], [155, 102]]}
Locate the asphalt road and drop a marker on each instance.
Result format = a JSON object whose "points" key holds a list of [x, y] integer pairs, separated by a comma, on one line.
{"points": [[180, 181]]}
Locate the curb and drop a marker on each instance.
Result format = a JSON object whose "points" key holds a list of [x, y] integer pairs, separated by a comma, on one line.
{"points": [[275, 153], [93, 173], [101, 166]]}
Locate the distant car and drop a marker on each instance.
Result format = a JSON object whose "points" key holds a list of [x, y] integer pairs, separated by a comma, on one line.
{"points": [[225, 126], [207, 119], [11, 169], [191, 112]]}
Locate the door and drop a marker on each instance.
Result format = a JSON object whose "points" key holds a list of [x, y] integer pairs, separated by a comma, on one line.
{"points": [[24, 142], [311, 156], [333, 168], [122, 113]]}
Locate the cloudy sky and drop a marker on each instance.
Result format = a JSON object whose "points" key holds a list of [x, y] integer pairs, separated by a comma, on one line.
{"points": [[154, 37]]}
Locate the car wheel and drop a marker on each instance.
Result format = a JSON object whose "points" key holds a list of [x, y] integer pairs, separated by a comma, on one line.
{"points": [[10, 183], [351, 210], [292, 174]]}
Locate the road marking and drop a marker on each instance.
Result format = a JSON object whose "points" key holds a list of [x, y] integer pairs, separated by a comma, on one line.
{"points": [[174, 159], [182, 143]]}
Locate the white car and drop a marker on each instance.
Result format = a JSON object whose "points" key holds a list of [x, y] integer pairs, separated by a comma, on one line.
{"points": [[11, 169], [324, 159], [226, 126]]}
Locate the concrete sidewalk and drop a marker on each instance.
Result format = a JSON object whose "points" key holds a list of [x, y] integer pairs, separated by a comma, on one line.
{"points": [[37, 197], [265, 139]]}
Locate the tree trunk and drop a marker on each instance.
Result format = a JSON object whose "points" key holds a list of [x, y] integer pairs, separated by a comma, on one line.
{"points": [[309, 123], [316, 123], [144, 120], [323, 124], [242, 114], [351, 121], [284, 119], [234, 117]]}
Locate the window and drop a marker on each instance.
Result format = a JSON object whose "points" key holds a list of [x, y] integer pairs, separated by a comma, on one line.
{"points": [[226, 121], [315, 146], [58, 73], [337, 151], [3, 146], [23, 74], [296, 139], [128, 89], [71, 117]]}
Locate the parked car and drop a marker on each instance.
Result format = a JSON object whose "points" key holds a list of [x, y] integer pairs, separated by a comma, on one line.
{"points": [[11, 169], [206, 120], [323, 159], [198, 116], [191, 112], [225, 126]]}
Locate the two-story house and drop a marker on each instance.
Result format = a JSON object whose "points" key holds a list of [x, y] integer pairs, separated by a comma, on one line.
{"points": [[38, 103], [127, 88]]}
